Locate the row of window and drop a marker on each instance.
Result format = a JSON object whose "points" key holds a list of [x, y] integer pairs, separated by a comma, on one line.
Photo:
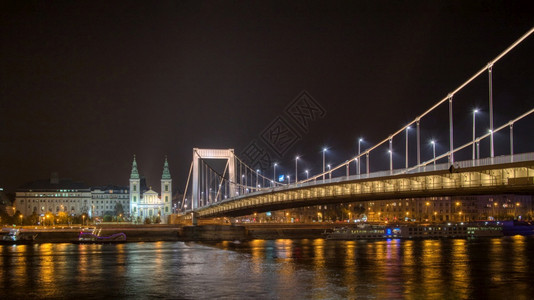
{"points": [[71, 201]]}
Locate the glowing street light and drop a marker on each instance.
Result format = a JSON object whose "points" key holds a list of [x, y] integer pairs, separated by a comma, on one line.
{"points": [[288, 179], [434, 152], [307, 175], [296, 170], [390, 161], [390, 155], [474, 113], [274, 172], [359, 142], [324, 154], [406, 161], [257, 175], [330, 173]]}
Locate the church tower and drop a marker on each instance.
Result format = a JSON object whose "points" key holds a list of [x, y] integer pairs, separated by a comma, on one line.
{"points": [[166, 191], [134, 190]]}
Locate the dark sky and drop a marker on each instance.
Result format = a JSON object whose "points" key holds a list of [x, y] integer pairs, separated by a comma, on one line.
{"points": [[84, 85]]}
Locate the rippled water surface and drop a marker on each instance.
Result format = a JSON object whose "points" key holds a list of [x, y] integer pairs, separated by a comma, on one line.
{"points": [[265, 269]]}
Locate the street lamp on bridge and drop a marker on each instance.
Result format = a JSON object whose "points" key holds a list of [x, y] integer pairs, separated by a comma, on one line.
{"points": [[406, 160], [274, 173], [296, 170], [324, 154], [474, 134], [434, 152], [360, 140]]}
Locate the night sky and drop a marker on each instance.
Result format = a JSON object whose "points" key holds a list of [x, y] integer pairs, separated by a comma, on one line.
{"points": [[85, 85]]}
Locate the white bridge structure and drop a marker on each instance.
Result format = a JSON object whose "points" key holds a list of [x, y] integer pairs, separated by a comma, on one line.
{"points": [[241, 190]]}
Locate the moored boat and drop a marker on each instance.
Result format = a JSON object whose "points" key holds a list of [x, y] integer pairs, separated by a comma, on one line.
{"points": [[18, 237], [416, 231], [96, 238]]}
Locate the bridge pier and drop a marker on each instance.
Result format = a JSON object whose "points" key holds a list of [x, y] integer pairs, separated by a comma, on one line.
{"points": [[194, 219]]}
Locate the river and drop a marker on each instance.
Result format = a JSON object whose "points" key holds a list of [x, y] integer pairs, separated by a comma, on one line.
{"points": [[491, 268]]}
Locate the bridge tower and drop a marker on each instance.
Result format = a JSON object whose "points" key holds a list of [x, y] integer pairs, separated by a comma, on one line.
{"points": [[226, 154]]}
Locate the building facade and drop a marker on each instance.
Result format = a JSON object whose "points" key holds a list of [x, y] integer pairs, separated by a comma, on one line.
{"points": [[148, 203], [109, 200], [53, 196]]}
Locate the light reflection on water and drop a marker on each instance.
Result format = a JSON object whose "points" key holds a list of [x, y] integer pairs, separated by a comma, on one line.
{"points": [[266, 269]]}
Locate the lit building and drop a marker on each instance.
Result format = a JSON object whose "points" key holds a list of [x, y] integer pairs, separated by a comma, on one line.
{"points": [[54, 196], [109, 200], [148, 204]]}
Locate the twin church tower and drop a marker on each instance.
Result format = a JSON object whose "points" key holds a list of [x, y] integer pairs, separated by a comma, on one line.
{"points": [[145, 203]]}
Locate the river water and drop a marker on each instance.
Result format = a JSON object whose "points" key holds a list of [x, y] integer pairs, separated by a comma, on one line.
{"points": [[492, 268]]}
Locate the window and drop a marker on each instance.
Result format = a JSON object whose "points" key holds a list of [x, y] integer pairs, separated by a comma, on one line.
{"points": [[166, 198], [135, 188], [134, 198], [166, 188], [167, 209]]}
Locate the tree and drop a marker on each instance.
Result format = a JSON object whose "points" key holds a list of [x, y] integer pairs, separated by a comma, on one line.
{"points": [[33, 219], [147, 220], [62, 217], [119, 210], [107, 218]]}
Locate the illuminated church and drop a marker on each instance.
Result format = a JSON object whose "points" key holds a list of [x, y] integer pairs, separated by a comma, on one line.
{"points": [[147, 203]]}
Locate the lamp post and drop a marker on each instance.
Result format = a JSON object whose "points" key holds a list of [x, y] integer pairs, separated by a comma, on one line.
{"points": [[296, 170], [434, 152], [330, 173], [274, 173], [307, 175], [324, 154], [390, 156], [359, 142], [474, 114], [21, 216], [406, 160], [83, 220], [288, 179], [257, 174], [390, 161]]}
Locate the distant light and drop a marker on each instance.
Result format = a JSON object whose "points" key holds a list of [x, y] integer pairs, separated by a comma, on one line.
{"points": [[475, 111], [432, 142], [324, 149]]}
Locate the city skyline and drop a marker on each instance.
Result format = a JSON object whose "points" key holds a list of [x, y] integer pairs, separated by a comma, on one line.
{"points": [[86, 86]]}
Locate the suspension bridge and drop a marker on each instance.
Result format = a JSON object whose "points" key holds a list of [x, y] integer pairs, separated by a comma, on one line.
{"points": [[240, 190]]}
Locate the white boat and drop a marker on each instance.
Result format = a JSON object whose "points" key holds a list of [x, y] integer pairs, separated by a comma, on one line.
{"points": [[16, 236]]}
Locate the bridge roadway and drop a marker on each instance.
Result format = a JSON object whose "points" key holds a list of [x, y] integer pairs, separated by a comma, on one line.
{"points": [[482, 177]]}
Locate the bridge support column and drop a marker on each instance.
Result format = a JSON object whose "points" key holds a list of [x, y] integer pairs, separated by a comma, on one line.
{"points": [[194, 219]]}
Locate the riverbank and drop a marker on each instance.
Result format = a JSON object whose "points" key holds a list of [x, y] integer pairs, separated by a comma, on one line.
{"points": [[153, 233], [207, 232]]}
